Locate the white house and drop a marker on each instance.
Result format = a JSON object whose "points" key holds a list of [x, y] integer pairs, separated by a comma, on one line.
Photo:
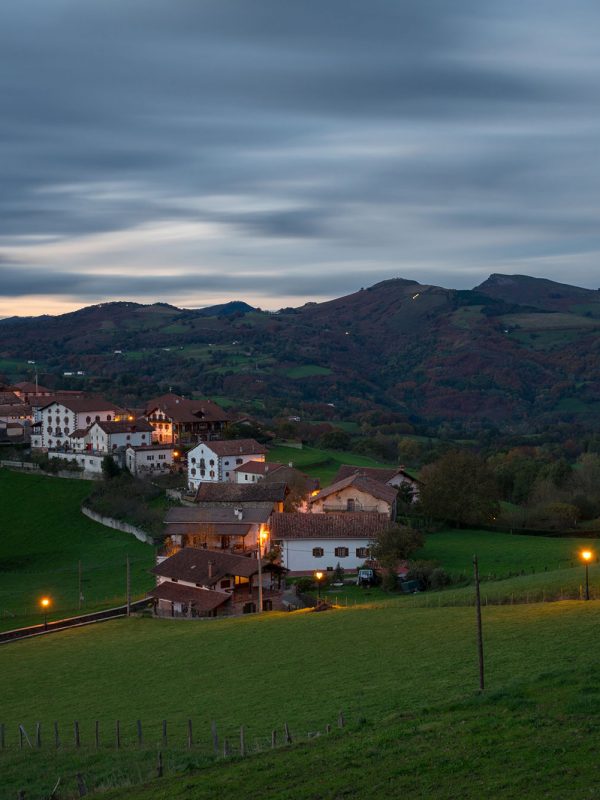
{"points": [[61, 417], [152, 458], [311, 542], [216, 461]]}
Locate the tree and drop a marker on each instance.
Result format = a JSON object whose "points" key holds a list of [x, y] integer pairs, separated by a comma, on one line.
{"points": [[395, 543], [459, 488]]}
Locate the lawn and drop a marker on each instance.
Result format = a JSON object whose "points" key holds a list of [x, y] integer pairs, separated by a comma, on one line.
{"points": [[322, 464], [44, 536], [501, 554], [410, 672]]}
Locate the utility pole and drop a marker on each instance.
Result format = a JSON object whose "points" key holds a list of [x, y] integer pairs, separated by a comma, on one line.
{"points": [[79, 593], [128, 588], [479, 631]]}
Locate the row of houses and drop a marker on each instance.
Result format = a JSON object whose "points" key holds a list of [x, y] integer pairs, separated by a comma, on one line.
{"points": [[229, 551]]}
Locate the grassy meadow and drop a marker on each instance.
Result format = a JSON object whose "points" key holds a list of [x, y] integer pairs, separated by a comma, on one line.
{"points": [[43, 536], [396, 669]]}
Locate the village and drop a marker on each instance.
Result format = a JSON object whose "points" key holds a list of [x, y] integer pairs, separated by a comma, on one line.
{"points": [[240, 524]]}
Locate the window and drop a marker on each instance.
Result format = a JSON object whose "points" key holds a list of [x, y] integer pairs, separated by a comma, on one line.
{"points": [[362, 552], [318, 552], [341, 552]]}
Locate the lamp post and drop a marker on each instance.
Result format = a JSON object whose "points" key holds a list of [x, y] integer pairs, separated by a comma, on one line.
{"points": [[45, 604], [586, 555], [318, 578]]}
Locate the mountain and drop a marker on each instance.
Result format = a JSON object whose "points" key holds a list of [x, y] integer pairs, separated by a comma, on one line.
{"points": [[516, 352]]}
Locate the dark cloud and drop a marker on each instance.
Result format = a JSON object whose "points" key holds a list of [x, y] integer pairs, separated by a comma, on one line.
{"points": [[439, 140]]}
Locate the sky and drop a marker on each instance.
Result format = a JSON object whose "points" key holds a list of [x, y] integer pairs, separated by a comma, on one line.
{"points": [[279, 152]]}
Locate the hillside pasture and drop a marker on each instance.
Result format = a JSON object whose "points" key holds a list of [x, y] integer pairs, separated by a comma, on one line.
{"points": [[391, 664], [43, 537]]}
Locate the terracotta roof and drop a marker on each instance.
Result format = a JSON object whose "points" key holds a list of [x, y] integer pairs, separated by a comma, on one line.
{"points": [[381, 491], [207, 528], [125, 426], [80, 404], [192, 564], [201, 599], [252, 514], [227, 492], [181, 409], [235, 447], [345, 525], [383, 475]]}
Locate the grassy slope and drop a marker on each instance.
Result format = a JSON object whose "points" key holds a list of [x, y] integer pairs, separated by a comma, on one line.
{"points": [[501, 554], [44, 535], [302, 667], [320, 463]]}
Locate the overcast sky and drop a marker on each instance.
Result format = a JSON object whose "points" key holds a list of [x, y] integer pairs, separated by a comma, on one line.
{"points": [[279, 151]]}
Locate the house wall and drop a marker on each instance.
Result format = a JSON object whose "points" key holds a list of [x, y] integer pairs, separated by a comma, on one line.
{"points": [[297, 554], [362, 502], [204, 465]]}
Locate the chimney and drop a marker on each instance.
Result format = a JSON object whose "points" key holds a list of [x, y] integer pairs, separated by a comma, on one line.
{"points": [[210, 569]]}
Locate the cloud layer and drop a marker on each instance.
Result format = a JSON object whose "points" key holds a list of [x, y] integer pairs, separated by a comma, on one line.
{"points": [[200, 151]]}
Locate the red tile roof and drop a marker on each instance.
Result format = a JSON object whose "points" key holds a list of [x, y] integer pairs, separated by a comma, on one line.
{"points": [[344, 525], [201, 599], [381, 491]]}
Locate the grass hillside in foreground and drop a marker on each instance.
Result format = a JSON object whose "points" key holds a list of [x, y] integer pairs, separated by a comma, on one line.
{"points": [[489, 747], [262, 671], [322, 464], [43, 536]]}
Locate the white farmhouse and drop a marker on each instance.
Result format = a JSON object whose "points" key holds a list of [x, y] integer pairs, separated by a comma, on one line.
{"points": [[311, 542], [216, 461], [151, 458], [61, 417]]}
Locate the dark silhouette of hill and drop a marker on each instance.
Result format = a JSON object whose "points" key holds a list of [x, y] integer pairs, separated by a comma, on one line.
{"points": [[514, 352]]}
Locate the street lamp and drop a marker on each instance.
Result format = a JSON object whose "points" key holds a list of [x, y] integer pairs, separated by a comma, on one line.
{"points": [[318, 578], [586, 555], [45, 604]]}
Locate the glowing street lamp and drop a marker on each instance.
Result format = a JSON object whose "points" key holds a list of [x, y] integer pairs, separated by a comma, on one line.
{"points": [[45, 604], [587, 555], [319, 578]]}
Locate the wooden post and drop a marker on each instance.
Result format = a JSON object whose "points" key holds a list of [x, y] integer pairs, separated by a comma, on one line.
{"points": [[288, 735], [97, 734], [215, 736], [189, 735], [128, 588], [273, 738], [139, 732], [76, 726], [118, 735], [81, 787], [341, 720], [38, 735], [159, 766], [164, 732], [242, 742], [479, 628], [56, 736]]}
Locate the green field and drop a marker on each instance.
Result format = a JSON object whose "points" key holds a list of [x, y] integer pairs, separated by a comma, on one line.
{"points": [[501, 554], [319, 463], [44, 536], [411, 673]]}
